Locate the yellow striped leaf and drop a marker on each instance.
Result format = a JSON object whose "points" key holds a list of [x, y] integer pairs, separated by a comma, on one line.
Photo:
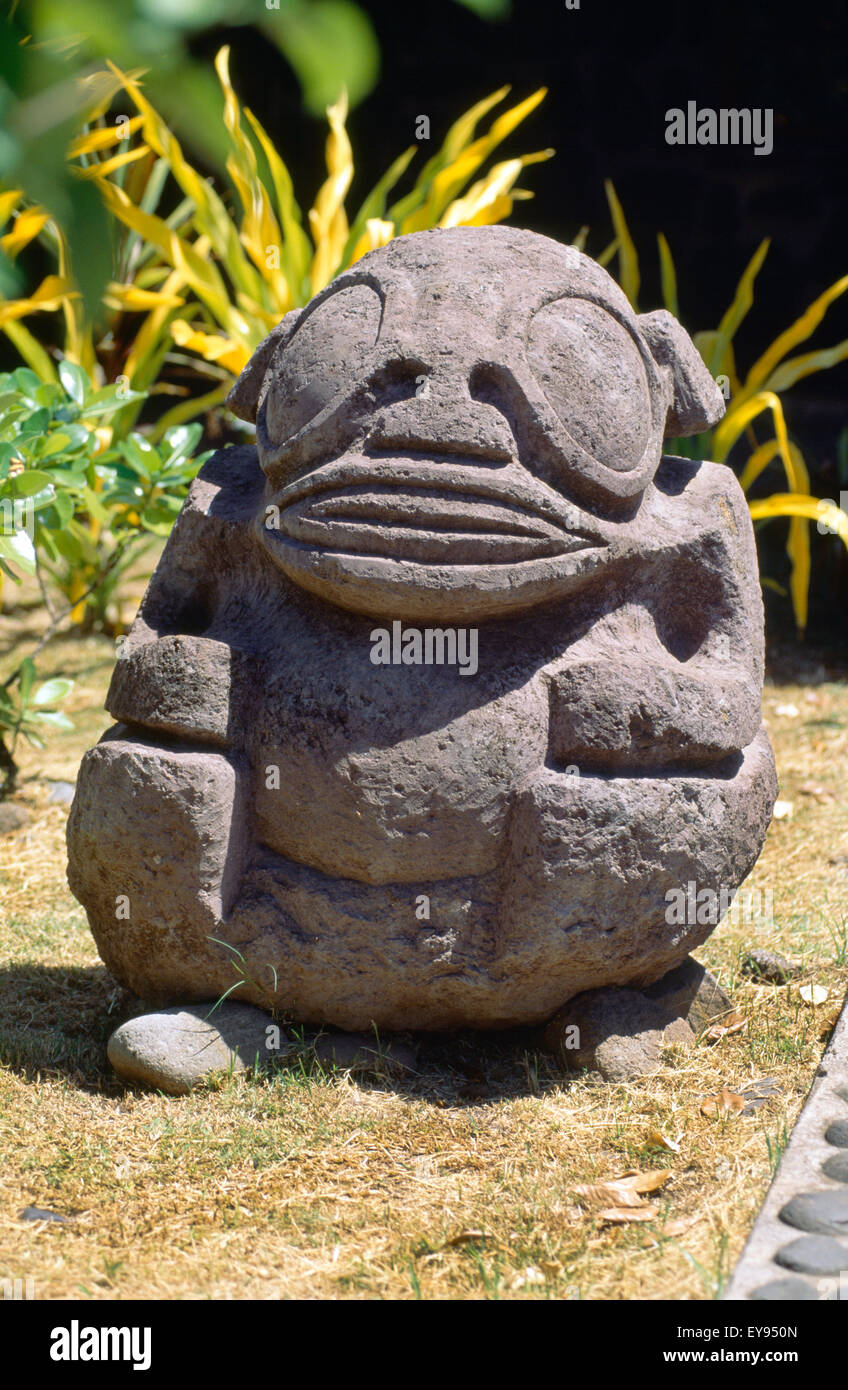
{"points": [[799, 331], [742, 301], [628, 259], [377, 233], [211, 346], [327, 220], [103, 138], [108, 166], [668, 276], [805, 364], [28, 224]]}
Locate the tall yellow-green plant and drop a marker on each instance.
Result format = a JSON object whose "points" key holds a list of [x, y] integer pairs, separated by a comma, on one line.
{"points": [[754, 398], [244, 258]]}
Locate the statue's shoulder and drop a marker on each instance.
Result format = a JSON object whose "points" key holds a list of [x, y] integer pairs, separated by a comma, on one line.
{"points": [[229, 486], [710, 490]]}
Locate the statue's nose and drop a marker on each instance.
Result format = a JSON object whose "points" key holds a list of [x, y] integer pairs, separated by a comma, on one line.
{"points": [[442, 417]]}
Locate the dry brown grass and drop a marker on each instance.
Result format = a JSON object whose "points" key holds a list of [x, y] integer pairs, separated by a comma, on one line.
{"points": [[299, 1184]]}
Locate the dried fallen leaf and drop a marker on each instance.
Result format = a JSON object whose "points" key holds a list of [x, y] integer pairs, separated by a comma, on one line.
{"points": [[724, 1103], [783, 810], [657, 1140], [601, 1192], [624, 1191], [651, 1239], [647, 1182], [829, 1022], [733, 1023], [681, 1226], [466, 1238], [621, 1214], [813, 994]]}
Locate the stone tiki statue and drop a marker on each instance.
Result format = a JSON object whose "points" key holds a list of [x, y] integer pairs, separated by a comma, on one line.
{"points": [[458, 448]]}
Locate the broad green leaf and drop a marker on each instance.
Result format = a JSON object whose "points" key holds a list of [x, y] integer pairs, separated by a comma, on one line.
{"points": [[74, 380], [54, 718], [30, 482], [331, 45], [18, 548], [52, 691]]}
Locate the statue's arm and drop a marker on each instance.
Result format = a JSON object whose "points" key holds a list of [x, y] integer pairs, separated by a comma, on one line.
{"points": [[181, 670], [682, 680]]}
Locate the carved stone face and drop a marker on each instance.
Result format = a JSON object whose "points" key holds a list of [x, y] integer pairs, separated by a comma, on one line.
{"points": [[464, 423]]}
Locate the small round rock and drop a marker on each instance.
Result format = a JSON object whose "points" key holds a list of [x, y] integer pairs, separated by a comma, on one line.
{"points": [[769, 966], [176, 1049], [784, 1291], [837, 1134], [814, 1255], [836, 1168], [820, 1213]]}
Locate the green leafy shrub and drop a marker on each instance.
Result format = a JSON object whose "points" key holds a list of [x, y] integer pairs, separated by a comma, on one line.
{"points": [[26, 712], [78, 504]]}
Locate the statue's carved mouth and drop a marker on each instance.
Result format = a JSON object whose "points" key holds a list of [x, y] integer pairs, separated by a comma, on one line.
{"points": [[431, 511]]}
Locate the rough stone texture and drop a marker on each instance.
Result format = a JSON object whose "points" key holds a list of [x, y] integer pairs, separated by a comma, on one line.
{"points": [[176, 1049], [814, 1255], [770, 966], [463, 430], [620, 1033], [692, 993], [808, 1197]]}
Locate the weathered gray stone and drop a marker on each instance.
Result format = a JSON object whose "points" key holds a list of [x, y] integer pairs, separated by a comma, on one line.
{"points": [[463, 431], [784, 1291], [175, 1049], [770, 966], [814, 1255], [821, 1213], [42, 1214], [837, 1134], [836, 1167], [692, 993], [618, 1032]]}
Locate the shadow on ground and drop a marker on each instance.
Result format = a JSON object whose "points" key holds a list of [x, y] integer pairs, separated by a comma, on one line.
{"points": [[56, 1021]]}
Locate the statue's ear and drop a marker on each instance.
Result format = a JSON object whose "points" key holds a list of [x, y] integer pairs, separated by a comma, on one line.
{"points": [[697, 403], [250, 390]]}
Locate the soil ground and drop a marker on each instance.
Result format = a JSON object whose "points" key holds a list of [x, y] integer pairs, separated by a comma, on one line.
{"points": [[457, 1183]]}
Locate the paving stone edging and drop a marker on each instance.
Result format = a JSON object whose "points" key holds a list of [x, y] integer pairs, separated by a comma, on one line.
{"points": [[798, 1248]]}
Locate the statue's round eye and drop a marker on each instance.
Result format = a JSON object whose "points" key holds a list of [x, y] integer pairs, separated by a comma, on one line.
{"points": [[593, 376], [325, 355]]}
